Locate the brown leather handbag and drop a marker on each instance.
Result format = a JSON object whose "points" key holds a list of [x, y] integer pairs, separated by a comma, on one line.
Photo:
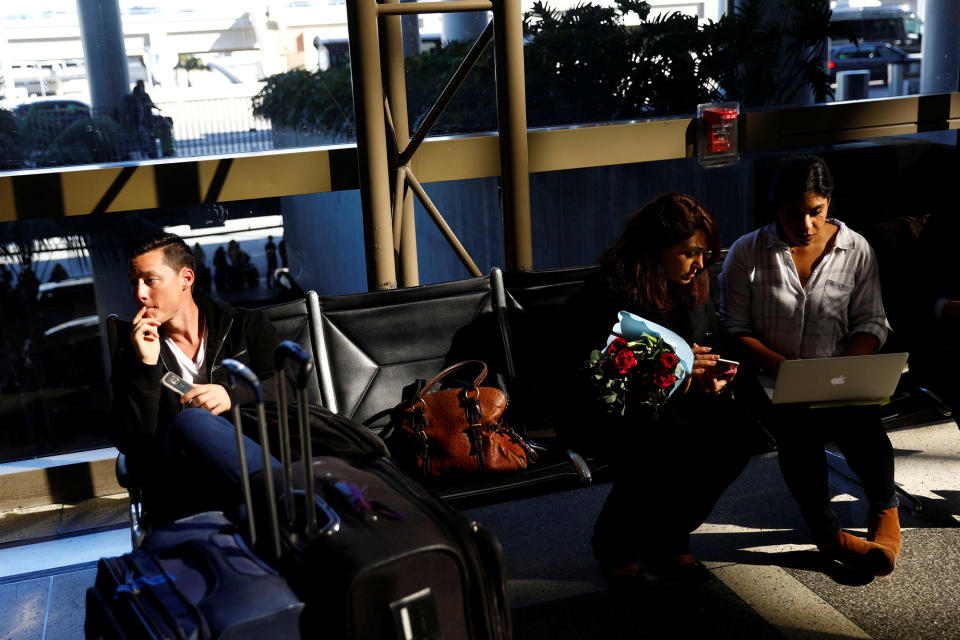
{"points": [[455, 431]]}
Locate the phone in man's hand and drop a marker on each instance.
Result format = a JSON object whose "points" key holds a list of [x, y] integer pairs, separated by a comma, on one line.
{"points": [[172, 381]]}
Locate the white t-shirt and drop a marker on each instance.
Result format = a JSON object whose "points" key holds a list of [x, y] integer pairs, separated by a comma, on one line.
{"points": [[193, 371]]}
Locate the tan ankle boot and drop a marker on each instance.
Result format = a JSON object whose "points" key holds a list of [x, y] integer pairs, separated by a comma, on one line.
{"points": [[883, 528], [857, 553]]}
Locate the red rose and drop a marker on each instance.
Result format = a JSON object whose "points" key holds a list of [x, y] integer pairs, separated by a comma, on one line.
{"points": [[617, 345], [664, 380], [625, 361], [667, 361]]}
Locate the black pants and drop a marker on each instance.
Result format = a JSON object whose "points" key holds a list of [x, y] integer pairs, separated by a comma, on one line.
{"points": [[858, 433], [669, 475]]}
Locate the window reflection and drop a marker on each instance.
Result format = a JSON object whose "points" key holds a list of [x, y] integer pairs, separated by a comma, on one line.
{"points": [[59, 279], [237, 261], [52, 384]]}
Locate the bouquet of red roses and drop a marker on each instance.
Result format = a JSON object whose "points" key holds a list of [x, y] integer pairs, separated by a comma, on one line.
{"points": [[644, 371]]}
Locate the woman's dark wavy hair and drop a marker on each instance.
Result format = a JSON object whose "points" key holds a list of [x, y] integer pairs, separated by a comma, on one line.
{"points": [[632, 266], [797, 175]]}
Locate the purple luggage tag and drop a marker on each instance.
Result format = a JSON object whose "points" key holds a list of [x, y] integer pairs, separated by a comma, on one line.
{"points": [[354, 497]]}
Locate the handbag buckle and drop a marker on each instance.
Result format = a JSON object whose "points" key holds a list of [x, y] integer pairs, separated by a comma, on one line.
{"points": [[475, 433], [419, 423], [470, 401]]}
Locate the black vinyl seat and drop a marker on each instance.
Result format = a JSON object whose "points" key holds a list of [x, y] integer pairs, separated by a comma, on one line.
{"points": [[528, 305], [376, 343]]}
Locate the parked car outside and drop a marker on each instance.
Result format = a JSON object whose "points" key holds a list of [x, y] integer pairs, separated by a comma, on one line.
{"points": [[896, 25], [50, 117], [870, 56]]}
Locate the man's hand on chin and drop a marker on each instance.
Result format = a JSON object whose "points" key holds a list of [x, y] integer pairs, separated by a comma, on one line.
{"points": [[145, 336]]}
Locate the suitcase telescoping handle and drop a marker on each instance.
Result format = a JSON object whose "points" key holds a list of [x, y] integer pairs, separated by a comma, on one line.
{"points": [[242, 373], [283, 351], [289, 350]]}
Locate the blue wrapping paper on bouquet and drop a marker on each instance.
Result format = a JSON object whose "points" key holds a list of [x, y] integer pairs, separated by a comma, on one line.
{"points": [[640, 367], [632, 327]]}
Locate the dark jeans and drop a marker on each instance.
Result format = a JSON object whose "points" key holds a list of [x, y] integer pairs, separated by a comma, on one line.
{"points": [[669, 474], [857, 432], [201, 461]]}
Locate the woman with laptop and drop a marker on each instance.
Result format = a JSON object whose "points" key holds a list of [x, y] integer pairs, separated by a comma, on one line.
{"points": [[693, 447], [807, 286]]}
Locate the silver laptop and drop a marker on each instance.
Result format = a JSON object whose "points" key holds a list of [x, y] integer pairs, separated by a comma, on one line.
{"points": [[870, 378]]}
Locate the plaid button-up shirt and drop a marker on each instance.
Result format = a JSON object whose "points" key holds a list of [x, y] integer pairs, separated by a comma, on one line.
{"points": [[761, 295]]}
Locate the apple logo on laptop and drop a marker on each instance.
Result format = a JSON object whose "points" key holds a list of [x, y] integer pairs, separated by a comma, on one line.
{"points": [[838, 380]]}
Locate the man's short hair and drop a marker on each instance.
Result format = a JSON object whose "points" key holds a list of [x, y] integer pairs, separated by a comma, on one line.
{"points": [[176, 253]]}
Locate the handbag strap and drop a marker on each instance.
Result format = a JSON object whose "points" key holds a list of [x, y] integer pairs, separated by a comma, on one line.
{"points": [[451, 369]]}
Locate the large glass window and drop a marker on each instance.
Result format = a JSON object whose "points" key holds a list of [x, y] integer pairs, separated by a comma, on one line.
{"points": [[181, 81], [222, 78]]}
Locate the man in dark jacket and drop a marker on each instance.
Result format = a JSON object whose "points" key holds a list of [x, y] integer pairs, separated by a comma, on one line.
{"points": [[189, 334]]}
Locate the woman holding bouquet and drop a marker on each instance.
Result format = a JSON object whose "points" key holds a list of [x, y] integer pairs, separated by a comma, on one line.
{"points": [[806, 286], [691, 448]]}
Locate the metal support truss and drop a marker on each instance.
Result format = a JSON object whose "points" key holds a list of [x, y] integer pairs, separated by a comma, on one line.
{"points": [[385, 147]]}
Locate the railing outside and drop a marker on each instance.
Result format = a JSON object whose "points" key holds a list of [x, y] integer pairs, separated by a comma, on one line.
{"points": [[216, 126], [60, 132]]}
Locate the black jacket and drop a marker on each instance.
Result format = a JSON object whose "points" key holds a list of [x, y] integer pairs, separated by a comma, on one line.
{"points": [[143, 408]]}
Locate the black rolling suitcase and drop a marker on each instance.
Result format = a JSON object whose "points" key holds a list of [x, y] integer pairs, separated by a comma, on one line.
{"points": [[194, 579], [375, 555]]}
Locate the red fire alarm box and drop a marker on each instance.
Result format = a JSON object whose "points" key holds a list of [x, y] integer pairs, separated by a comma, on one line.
{"points": [[717, 139]]}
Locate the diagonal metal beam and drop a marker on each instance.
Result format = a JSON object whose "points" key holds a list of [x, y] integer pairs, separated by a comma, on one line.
{"points": [[456, 81], [441, 223], [399, 195], [390, 235]]}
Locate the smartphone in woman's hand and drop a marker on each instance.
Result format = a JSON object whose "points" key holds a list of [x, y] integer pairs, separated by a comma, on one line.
{"points": [[725, 368]]}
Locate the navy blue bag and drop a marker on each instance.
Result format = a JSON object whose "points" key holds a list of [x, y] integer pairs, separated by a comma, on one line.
{"points": [[195, 578]]}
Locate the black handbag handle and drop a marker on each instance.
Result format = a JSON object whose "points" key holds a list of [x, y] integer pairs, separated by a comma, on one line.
{"points": [[443, 374]]}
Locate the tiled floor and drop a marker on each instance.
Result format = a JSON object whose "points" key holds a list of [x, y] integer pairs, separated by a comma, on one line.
{"points": [[50, 607], [48, 559]]}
